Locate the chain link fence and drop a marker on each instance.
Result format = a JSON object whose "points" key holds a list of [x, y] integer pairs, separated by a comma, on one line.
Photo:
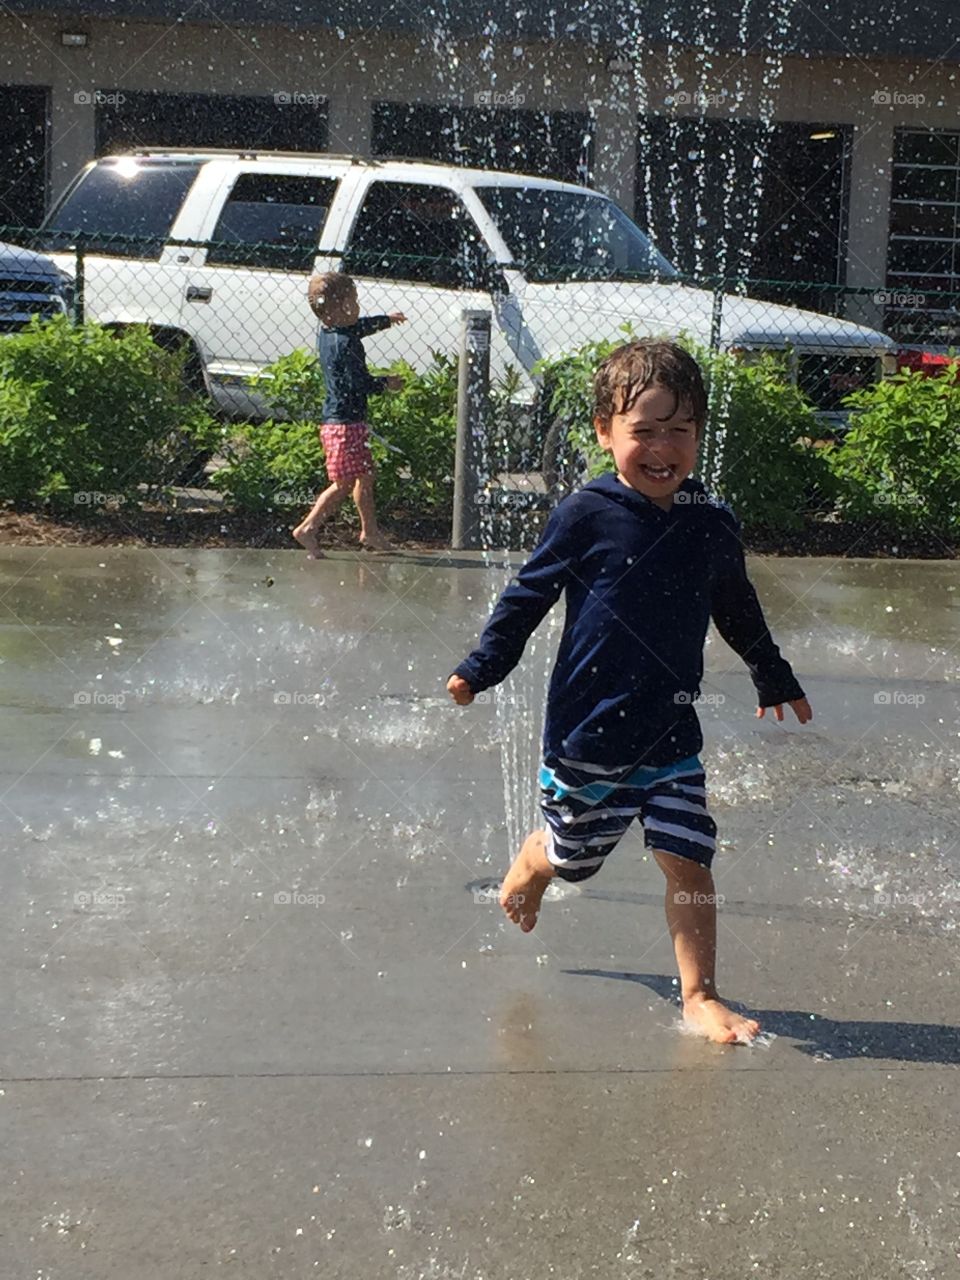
{"points": [[239, 306]]}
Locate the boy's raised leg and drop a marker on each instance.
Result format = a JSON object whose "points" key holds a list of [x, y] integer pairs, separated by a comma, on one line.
{"points": [[691, 904], [526, 881]]}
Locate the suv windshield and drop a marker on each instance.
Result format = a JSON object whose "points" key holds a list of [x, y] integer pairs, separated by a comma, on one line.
{"points": [[124, 206], [565, 235]]}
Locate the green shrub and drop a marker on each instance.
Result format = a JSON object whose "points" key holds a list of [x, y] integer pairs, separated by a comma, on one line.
{"points": [[420, 425], [280, 462], [87, 415], [571, 453], [292, 386], [758, 450], [900, 460], [270, 465], [277, 463], [755, 452]]}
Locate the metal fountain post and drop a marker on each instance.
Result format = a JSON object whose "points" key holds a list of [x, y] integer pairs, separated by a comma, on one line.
{"points": [[473, 387]]}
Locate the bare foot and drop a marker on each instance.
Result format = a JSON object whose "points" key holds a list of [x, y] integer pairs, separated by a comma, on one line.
{"points": [[711, 1018], [526, 881], [376, 542], [307, 538]]}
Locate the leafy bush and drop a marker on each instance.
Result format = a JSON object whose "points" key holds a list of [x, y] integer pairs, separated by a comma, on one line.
{"points": [[280, 461], [87, 415], [900, 460], [292, 386], [419, 424], [568, 389], [756, 450], [270, 465]]}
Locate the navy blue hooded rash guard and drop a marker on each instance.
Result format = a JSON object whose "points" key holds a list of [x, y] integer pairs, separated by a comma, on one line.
{"points": [[641, 584]]}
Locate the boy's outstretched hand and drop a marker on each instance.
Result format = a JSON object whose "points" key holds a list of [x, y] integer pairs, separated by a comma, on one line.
{"points": [[801, 709], [460, 691], [397, 317]]}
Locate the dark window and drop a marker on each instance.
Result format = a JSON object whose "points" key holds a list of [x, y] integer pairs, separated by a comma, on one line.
{"points": [[909, 219], [921, 183], [929, 147], [828, 380], [272, 220], [923, 252], [124, 207], [128, 119], [739, 199], [919, 256], [25, 112], [547, 144], [569, 235], [409, 231]]}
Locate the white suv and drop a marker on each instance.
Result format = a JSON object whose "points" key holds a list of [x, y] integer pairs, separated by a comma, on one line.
{"points": [[215, 247]]}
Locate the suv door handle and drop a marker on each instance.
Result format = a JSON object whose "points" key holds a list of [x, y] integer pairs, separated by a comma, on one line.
{"points": [[196, 293]]}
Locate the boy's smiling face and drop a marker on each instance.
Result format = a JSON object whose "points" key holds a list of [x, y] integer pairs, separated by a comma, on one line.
{"points": [[654, 443]]}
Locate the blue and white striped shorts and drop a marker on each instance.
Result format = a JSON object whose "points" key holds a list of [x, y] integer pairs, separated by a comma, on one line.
{"points": [[588, 809]]}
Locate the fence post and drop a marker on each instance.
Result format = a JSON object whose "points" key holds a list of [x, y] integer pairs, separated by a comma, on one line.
{"points": [[473, 388], [78, 283]]}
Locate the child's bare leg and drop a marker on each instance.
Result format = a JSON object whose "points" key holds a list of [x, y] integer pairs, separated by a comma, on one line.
{"points": [[692, 918], [325, 506], [370, 534], [525, 882]]}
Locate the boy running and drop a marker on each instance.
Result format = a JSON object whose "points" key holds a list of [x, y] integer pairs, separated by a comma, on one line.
{"points": [[645, 558]]}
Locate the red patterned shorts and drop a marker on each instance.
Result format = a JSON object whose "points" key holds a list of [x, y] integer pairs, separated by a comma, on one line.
{"points": [[347, 453]]}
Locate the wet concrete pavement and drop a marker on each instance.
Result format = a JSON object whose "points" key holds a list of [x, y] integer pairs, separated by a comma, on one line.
{"points": [[261, 1017]]}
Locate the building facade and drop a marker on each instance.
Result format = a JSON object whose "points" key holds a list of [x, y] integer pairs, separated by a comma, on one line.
{"points": [[782, 146]]}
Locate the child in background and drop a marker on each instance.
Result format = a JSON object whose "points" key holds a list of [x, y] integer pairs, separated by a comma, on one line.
{"points": [[343, 418], [645, 558]]}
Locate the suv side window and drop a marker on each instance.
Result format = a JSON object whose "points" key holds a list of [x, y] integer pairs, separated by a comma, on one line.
{"points": [[411, 231], [272, 220]]}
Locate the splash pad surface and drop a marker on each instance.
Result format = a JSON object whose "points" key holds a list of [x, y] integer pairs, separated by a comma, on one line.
{"points": [[261, 1010]]}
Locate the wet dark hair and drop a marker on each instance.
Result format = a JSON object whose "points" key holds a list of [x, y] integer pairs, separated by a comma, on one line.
{"points": [[632, 368], [329, 289]]}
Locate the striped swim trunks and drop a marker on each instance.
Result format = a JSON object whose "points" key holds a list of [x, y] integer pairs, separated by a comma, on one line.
{"points": [[588, 809]]}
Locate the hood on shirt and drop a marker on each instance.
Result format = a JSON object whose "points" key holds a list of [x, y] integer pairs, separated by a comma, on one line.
{"points": [[691, 494]]}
